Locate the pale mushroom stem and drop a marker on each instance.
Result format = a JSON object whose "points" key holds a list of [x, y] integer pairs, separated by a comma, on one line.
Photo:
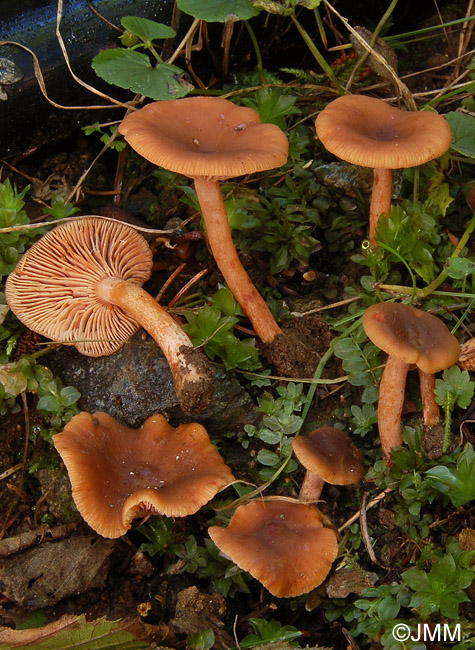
{"points": [[227, 259], [380, 199], [312, 487], [430, 408], [192, 376], [390, 403]]}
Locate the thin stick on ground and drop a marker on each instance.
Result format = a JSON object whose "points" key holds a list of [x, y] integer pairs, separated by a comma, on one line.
{"points": [[374, 501]]}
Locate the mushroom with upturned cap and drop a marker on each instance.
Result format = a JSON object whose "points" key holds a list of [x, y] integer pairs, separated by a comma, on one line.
{"points": [[283, 544], [329, 456], [81, 284], [409, 336], [118, 473], [210, 139], [368, 132]]}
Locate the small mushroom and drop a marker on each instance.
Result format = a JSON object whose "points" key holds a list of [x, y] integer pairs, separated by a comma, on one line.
{"points": [[368, 132], [283, 544], [210, 139], [409, 336], [329, 456], [118, 473], [81, 284]]}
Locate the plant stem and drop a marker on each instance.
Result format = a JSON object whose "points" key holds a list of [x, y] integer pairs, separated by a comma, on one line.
{"points": [[449, 404], [257, 51], [316, 53], [372, 42]]}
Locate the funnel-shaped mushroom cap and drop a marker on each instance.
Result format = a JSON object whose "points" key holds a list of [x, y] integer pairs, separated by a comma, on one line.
{"points": [[368, 132], [330, 454], [52, 288], [119, 473], [205, 136], [282, 544], [411, 335]]}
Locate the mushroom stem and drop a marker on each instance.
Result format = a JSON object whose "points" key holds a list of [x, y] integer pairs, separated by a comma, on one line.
{"points": [[380, 199], [430, 408], [312, 487], [390, 403], [191, 373], [227, 259]]}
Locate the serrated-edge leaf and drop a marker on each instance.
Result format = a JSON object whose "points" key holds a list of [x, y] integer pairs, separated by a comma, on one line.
{"points": [[73, 632], [132, 70]]}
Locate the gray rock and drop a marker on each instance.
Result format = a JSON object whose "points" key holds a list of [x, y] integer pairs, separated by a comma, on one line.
{"points": [[136, 382]]}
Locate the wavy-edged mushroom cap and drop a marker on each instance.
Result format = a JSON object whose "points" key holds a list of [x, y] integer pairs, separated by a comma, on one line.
{"points": [[282, 544], [411, 335], [330, 454], [205, 136], [52, 289], [119, 473], [369, 132]]}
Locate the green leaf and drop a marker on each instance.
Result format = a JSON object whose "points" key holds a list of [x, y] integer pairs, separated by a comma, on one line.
{"points": [[463, 130], [267, 458], [269, 631], [460, 267], [218, 11], [147, 29], [132, 70], [13, 381], [49, 403], [69, 395], [201, 640], [458, 483], [456, 385], [273, 106], [416, 579]]}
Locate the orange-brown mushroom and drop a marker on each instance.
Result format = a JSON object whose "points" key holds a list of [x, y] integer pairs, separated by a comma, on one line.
{"points": [[369, 132], [118, 473], [280, 543], [329, 456], [211, 139], [409, 336], [81, 284]]}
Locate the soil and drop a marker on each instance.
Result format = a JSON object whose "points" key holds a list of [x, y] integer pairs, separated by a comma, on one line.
{"points": [[298, 350], [195, 396]]}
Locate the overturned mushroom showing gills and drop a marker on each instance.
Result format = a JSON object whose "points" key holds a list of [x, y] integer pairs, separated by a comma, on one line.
{"points": [[280, 543], [367, 131], [81, 284], [329, 456], [409, 336], [211, 139], [118, 473]]}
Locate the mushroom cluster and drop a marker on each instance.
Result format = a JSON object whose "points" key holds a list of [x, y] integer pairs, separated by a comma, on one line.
{"points": [[81, 284]]}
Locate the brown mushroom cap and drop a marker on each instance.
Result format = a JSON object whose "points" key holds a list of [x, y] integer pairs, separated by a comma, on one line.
{"points": [[368, 132], [52, 288], [411, 335], [282, 544], [119, 473], [205, 136], [330, 454]]}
